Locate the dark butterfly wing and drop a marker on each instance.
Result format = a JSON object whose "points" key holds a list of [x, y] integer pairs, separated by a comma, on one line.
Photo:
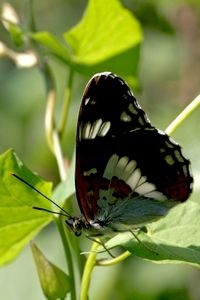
{"points": [[120, 156]]}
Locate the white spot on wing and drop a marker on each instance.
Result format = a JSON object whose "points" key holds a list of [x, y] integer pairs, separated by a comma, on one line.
{"points": [[87, 100], [104, 128], [134, 178], [127, 170], [178, 156], [145, 188], [169, 159], [89, 172], [125, 117], [142, 180], [170, 143], [186, 170], [121, 165], [91, 131], [111, 166], [132, 109], [86, 130], [140, 120], [156, 195], [95, 128]]}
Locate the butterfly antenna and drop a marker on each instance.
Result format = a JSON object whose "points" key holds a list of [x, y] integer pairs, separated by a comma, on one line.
{"points": [[65, 213], [51, 211]]}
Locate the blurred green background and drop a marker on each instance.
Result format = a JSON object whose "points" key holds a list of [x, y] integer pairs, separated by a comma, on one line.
{"points": [[169, 74]]}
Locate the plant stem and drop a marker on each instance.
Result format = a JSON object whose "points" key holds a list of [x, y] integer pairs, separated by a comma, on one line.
{"points": [[54, 134], [114, 261], [49, 118], [183, 115], [68, 255], [90, 263], [59, 155], [66, 104]]}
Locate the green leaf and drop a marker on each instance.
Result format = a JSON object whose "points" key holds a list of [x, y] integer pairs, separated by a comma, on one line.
{"points": [[107, 38], [53, 45], [124, 64], [17, 34], [175, 238], [19, 223], [106, 30], [54, 282]]}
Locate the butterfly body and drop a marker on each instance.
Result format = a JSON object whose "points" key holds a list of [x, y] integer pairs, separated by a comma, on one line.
{"points": [[128, 173]]}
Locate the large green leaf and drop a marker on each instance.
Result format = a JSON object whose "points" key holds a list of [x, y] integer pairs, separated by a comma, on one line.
{"points": [[174, 238], [19, 223], [108, 37], [124, 64], [106, 29]]}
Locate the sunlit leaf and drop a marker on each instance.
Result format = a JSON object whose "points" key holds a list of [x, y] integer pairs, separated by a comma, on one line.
{"points": [[52, 44], [174, 238], [19, 223], [107, 29]]}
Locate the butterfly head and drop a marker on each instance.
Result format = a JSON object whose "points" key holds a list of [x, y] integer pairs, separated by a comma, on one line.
{"points": [[76, 224]]}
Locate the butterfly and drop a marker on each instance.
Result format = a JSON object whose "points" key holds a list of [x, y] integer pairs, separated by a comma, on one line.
{"points": [[128, 173]]}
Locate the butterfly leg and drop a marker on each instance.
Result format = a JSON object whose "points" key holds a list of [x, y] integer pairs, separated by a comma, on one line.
{"points": [[100, 243], [140, 242]]}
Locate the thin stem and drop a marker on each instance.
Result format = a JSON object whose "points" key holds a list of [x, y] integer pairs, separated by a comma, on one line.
{"points": [[59, 155], [53, 135], [114, 261], [183, 115], [49, 118], [32, 23], [90, 263], [66, 104], [68, 255]]}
